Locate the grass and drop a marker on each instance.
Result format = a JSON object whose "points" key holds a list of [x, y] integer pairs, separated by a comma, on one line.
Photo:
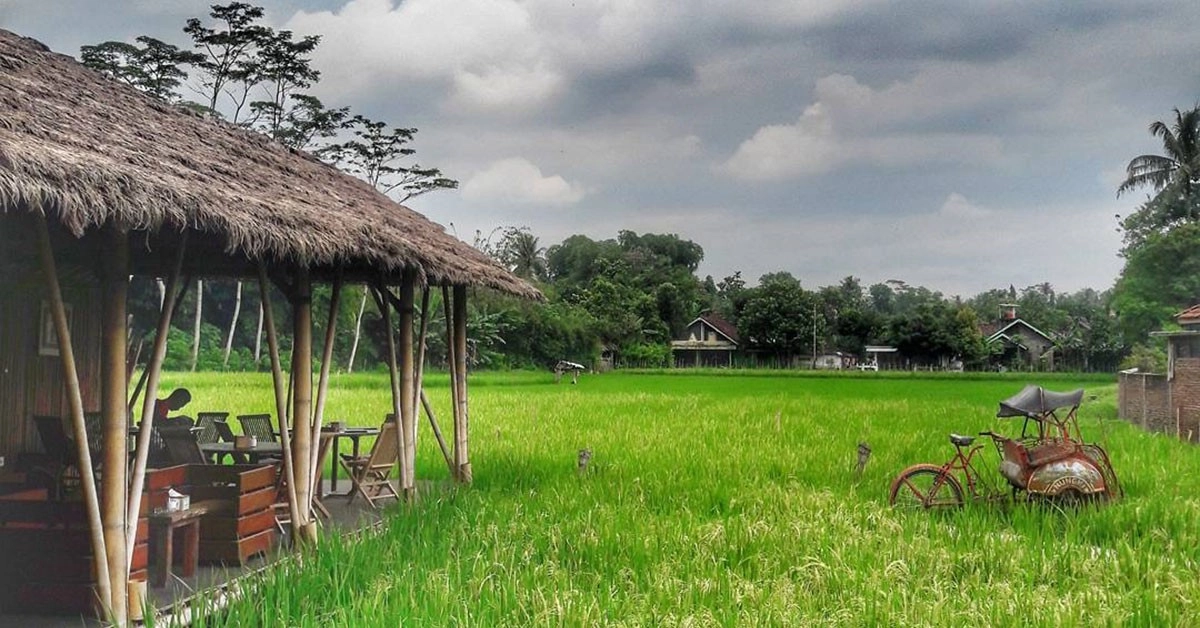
{"points": [[730, 499]]}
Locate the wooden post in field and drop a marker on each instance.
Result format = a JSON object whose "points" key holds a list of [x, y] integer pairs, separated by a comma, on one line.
{"points": [[152, 375], [113, 411], [408, 398], [323, 389], [281, 404], [66, 352], [462, 461]]}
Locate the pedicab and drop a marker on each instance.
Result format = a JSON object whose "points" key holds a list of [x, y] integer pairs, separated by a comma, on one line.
{"points": [[1048, 461]]}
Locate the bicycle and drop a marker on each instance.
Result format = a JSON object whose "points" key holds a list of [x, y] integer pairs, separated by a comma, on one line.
{"points": [[928, 486]]}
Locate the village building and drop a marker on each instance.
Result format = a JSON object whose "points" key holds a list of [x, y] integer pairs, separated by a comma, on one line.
{"points": [[708, 341], [1016, 343], [1167, 402], [98, 183]]}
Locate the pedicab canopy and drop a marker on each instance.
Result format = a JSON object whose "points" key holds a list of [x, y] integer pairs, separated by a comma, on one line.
{"points": [[1035, 402]]}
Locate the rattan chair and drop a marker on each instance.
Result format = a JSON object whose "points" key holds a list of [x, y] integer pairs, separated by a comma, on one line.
{"points": [[258, 426], [207, 422]]}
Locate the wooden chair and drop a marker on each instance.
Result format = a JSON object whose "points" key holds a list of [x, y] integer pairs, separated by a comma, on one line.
{"points": [[259, 426], [60, 453], [207, 422], [182, 447], [369, 473]]}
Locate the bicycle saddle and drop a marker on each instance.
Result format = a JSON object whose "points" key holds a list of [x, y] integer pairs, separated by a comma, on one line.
{"points": [[959, 440]]}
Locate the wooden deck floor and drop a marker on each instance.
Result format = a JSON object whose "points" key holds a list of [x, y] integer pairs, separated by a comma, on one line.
{"points": [[345, 516]]}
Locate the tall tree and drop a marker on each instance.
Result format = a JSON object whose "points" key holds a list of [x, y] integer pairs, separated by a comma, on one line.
{"points": [[520, 252], [228, 49], [283, 65], [376, 153], [155, 67], [1179, 168]]}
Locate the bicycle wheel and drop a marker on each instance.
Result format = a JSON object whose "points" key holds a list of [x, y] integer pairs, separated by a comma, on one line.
{"points": [[925, 486]]}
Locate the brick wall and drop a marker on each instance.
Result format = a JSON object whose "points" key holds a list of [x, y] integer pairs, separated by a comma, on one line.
{"points": [[1145, 399], [1185, 397]]}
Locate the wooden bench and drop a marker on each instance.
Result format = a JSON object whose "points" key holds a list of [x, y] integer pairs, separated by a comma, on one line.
{"points": [[47, 555]]}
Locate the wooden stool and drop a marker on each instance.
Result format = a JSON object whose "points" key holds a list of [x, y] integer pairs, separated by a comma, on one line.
{"points": [[163, 526]]}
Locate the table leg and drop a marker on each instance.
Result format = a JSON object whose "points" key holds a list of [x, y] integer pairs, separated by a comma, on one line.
{"points": [[160, 550], [333, 475], [191, 548]]}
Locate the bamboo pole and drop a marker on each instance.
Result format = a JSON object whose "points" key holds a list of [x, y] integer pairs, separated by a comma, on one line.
{"points": [[422, 342], [462, 460], [151, 375], [66, 352], [385, 311], [280, 395], [451, 366], [408, 418], [437, 431], [302, 402], [323, 387], [114, 418]]}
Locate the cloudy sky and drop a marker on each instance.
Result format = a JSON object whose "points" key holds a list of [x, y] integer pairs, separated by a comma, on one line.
{"points": [[954, 144]]}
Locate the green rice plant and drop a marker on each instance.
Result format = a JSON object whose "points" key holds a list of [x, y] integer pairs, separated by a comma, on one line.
{"points": [[720, 499]]}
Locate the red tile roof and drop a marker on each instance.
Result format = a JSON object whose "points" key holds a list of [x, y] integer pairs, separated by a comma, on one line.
{"points": [[721, 325], [1190, 316]]}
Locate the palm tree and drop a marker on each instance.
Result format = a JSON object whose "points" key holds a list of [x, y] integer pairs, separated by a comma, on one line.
{"points": [[522, 254], [1179, 167]]}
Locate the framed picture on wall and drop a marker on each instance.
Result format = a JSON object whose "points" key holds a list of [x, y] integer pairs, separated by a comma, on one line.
{"points": [[47, 335]]}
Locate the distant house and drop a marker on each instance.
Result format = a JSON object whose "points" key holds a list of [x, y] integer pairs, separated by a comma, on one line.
{"points": [[880, 357], [1167, 402], [1019, 343], [835, 361], [709, 341]]}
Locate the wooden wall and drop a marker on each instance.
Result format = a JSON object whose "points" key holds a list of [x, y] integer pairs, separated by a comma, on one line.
{"points": [[31, 383]]}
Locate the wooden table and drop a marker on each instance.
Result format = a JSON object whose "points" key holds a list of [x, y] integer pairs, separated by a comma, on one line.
{"points": [[254, 454], [354, 434], [163, 527]]}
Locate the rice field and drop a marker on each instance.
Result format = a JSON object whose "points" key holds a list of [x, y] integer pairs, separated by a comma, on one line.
{"points": [[730, 499]]}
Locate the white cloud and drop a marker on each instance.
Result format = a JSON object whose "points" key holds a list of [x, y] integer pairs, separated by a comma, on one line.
{"points": [[850, 125], [516, 180], [957, 206]]}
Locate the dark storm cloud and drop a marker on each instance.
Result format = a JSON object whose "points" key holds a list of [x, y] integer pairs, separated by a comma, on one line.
{"points": [[963, 31]]}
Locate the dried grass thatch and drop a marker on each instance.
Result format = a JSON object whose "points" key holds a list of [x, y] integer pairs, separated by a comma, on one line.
{"points": [[88, 151]]}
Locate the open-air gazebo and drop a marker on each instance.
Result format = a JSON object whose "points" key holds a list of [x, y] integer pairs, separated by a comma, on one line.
{"points": [[99, 183]]}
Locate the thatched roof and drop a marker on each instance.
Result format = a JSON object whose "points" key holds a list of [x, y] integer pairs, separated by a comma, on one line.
{"points": [[88, 151]]}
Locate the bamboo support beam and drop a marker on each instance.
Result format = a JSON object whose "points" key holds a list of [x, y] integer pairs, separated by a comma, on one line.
{"points": [[302, 403], [422, 343], [408, 398], [323, 388], [281, 407], [437, 431], [151, 376], [87, 478], [114, 388], [385, 311], [451, 366], [462, 460]]}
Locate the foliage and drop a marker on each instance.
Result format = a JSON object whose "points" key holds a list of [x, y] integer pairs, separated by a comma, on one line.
{"points": [[376, 153], [154, 68], [228, 65], [1161, 236]]}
